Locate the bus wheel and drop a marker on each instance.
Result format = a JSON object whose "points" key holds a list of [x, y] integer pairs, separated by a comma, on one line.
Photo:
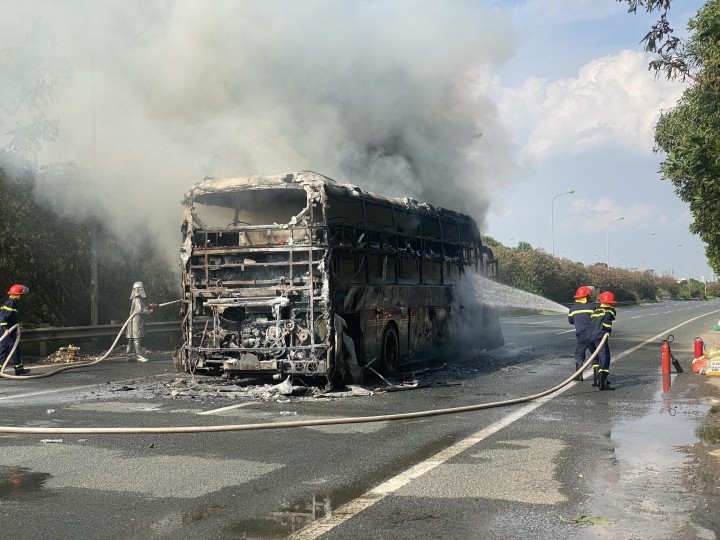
{"points": [[390, 352]]}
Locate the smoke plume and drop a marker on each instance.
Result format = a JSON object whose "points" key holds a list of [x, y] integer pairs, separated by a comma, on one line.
{"points": [[380, 94]]}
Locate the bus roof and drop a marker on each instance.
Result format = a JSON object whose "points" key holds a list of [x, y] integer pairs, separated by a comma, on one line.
{"points": [[206, 188]]}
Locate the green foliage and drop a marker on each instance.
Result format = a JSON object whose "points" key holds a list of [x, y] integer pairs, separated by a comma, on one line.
{"points": [[535, 271], [689, 134], [538, 272], [491, 242], [713, 290], [524, 246], [52, 254], [672, 54]]}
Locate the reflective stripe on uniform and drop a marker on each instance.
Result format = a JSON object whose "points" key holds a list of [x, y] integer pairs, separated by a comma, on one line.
{"points": [[8, 308]]}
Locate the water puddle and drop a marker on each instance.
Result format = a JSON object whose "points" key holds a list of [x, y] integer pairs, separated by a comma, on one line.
{"points": [[286, 520], [20, 484], [641, 484], [653, 440], [301, 512], [177, 520]]}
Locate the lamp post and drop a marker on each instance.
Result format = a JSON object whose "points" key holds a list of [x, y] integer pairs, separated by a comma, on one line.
{"points": [[607, 243], [552, 216], [642, 245]]}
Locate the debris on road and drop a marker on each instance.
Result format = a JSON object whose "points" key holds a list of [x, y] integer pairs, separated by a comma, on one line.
{"points": [[65, 355], [589, 520]]}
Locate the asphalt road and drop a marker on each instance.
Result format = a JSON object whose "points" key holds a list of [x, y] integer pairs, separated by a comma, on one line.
{"points": [[524, 471]]}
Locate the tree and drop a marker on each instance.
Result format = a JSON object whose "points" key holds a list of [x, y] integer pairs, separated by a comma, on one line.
{"points": [[51, 254], [524, 246], [672, 55], [689, 134]]}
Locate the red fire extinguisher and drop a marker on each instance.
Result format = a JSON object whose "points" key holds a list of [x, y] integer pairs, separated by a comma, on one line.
{"points": [[699, 347], [665, 356]]}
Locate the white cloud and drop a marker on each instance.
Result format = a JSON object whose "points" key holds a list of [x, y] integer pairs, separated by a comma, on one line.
{"points": [[593, 215], [613, 102]]}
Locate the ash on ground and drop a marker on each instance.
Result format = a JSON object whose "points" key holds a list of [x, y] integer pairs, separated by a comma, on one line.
{"points": [[202, 387]]}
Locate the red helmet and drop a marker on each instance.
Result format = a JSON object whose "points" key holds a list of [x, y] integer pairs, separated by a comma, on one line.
{"points": [[606, 298], [582, 292], [18, 289]]}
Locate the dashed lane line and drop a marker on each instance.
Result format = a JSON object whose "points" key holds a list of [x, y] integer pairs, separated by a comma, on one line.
{"points": [[229, 407]]}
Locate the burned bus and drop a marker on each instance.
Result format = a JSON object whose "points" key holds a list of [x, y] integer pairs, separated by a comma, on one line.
{"points": [[296, 274]]}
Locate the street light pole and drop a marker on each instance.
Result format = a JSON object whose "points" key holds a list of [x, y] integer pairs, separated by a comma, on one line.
{"points": [[642, 245], [552, 216], [607, 242]]}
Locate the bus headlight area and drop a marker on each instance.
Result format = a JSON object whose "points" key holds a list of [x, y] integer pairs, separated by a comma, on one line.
{"points": [[296, 274]]}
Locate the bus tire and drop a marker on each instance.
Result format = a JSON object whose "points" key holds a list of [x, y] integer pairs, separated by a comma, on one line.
{"points": [[390, 350]]}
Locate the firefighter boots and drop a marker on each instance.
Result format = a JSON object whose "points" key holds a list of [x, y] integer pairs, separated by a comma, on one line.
{"points": [[21, 371], [604, 383], [596, 381], [580, 376]]}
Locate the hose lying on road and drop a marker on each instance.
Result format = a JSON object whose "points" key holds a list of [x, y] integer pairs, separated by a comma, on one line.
{"points": [[64, 368], [301, 423]]}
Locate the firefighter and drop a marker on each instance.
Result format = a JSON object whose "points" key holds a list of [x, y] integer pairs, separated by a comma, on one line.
{"points": [[8, 319], [601, 322], [139, 309], [579, 316]]}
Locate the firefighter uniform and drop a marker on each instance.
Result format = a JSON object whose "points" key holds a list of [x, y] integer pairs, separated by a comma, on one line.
{"points": [[579, 316], [8, 319], [601, 322]]}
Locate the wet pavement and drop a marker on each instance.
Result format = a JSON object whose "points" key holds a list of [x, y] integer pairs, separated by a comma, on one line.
{"points": [[641, 485]]}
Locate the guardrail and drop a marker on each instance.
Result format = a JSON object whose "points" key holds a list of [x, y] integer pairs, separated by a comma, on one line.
{"points": [[59, 333]]}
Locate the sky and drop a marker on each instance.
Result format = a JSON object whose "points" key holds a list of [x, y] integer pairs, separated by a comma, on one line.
{"points": [[582, 107], [487, 107]]}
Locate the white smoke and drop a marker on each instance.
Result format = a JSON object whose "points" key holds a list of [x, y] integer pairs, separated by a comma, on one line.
{"points": [[377, 93]]}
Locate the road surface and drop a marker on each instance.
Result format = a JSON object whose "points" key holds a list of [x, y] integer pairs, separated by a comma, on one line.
{"points": [[524, 471]]}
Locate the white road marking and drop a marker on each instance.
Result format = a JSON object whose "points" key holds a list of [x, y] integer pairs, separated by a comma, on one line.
{"points": [[378, 493], [229, 407], [354, 507], [565, 332]]}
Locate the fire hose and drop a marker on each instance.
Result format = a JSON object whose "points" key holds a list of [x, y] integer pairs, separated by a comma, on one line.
{"points": [[303, 423], [64, 368]]}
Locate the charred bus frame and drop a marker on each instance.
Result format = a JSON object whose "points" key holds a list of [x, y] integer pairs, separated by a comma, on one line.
{"points": [[300, 275]]}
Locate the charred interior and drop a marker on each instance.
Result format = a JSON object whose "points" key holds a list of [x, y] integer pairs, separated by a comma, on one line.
{"points": [[297, 274]]}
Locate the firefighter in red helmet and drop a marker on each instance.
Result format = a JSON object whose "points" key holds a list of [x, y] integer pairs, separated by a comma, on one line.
{"points": [[8, 319], [601, 322], [579, 316]]}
